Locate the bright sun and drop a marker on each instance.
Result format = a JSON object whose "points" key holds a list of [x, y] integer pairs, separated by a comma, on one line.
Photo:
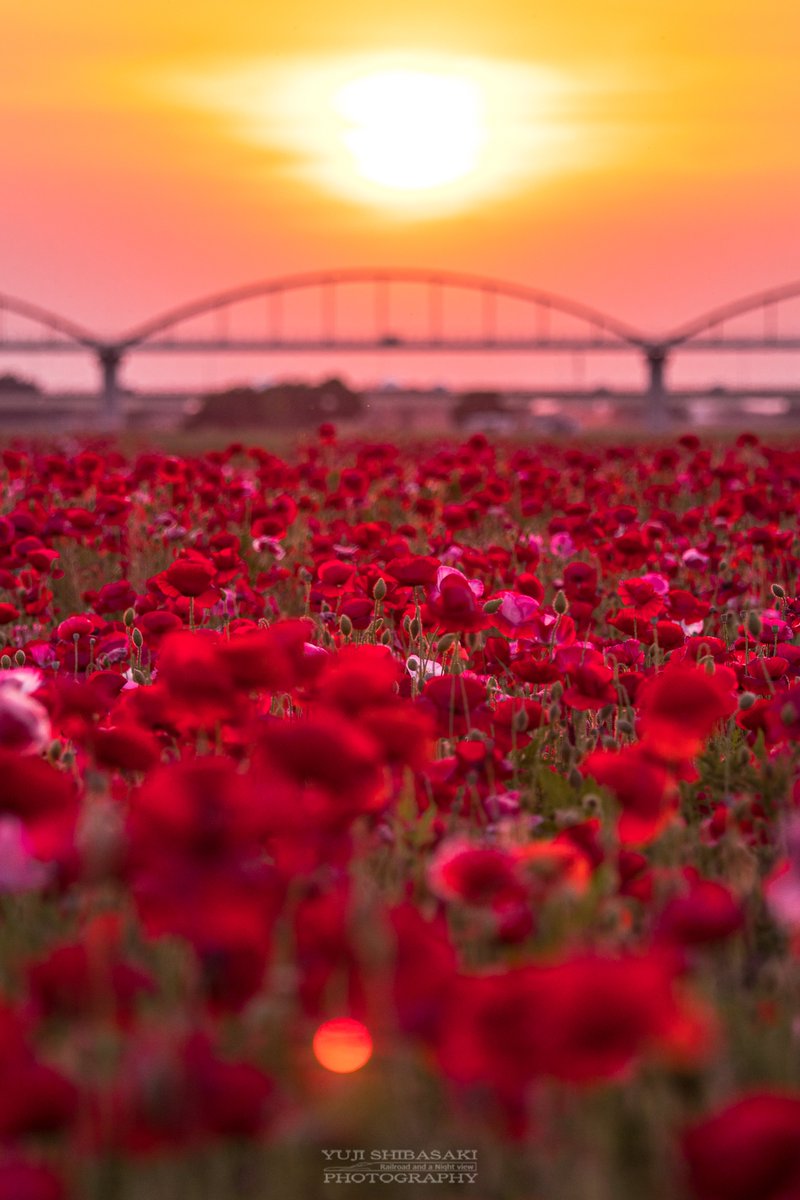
{"points": [[412, 130], [413, 134]]}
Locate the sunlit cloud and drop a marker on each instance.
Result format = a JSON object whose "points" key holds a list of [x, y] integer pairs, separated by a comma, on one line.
{"points": [[412, 134]]}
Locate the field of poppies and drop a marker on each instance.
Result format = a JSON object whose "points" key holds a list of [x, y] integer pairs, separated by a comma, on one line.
{"points": [[370, 799]]}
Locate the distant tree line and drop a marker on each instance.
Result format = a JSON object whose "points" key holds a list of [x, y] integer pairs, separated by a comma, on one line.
{"points": [[286, 406]]}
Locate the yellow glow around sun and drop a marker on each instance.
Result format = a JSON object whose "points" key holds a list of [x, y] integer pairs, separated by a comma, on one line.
{"points": [[413, 130], [413, 134]]}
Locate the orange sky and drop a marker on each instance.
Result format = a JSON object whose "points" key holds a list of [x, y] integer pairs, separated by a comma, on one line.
{"points": [[129, 184]]}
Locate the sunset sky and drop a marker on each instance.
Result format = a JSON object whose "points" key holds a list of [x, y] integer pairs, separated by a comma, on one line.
{"points": [[639, 155]]}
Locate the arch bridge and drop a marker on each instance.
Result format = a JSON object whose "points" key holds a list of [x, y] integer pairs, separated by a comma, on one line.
{"points": [[400, 310]]}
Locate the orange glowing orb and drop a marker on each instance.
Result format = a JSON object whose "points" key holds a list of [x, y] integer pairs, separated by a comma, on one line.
{"points": [[342, 1045]]}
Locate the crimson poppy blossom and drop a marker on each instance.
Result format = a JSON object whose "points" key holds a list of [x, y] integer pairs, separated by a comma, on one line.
{"points": [[72, 982], [680, 708], [591, 686], [516, 616], [24, 721], [456, 702], [644, 788], [177, 1094], [190, 577], [24, 1180], [749, 1150], [453, 602], [475, 875], [705, 912], [44, 799]]}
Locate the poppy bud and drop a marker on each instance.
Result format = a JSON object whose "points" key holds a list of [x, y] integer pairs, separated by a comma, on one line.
{"points": [[554, 712], [415, 627], [386, 637], [345, 625], [557, 690], [519, 722], [446, 642], [778, 591], [128, 617], [54, 750], [567, 817], [575, 778], [138, 677], [379, 590], [19, 658], [624, 727], [137, 639], [5, 663], [561, 604], [491, 606], [746, 700], [753, 624], [789, 714]]}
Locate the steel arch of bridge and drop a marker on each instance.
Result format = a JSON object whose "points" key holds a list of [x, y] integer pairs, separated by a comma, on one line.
{"points": [[695, 334], [437, 281], [76, 336]]}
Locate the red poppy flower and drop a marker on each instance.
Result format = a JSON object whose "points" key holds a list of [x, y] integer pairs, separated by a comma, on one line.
{"points": [[706, 912], [484, 876], [747, 1151], [644, 788], [455, 701], [321, 768], [359, 677], [22, 1180], [517, 615], [190, 577], [44, 799], [591, 687], [36, 1099], [453, 602], [680, 708], [125, 747], [72, 982], [413, 570], [642, 595], [174, 1095], [193, 670], [273, 658], [202, 809], [425, 970]]}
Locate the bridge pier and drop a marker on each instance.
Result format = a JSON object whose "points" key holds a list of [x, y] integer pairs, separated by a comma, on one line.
{"points": [[658, 418], [110, 361]]}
